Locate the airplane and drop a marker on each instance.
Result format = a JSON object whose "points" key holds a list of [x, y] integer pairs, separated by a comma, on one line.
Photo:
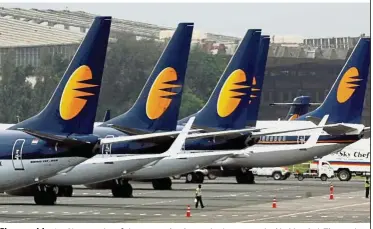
{"points": [[343, 104], [161, 91], [60, 135], [298, 107]]}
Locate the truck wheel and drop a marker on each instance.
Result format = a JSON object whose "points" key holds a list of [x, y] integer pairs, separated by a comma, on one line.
{"points": [[323, 177], [344, 175], [277, 176], [300, 177]]}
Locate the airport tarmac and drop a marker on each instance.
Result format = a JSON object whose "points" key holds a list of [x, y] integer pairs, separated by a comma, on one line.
{"points": [[225, 201]]}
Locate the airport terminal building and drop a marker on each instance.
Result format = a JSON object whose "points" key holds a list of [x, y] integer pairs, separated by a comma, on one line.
{"points": [[296, 66]]}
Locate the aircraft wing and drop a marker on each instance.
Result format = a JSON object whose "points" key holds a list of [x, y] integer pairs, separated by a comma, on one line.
{"points": [[151, 137], [340, 128], [252, 132]]}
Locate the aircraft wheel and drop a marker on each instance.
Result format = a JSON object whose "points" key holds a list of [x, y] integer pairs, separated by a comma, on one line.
{"points": [[122, 190], [190, 178], [45, 196], [199, 178], [245, 178]]}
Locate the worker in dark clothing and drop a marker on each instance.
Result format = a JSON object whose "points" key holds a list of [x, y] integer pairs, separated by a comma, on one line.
{"points": [[199, 196], [367, 187]]}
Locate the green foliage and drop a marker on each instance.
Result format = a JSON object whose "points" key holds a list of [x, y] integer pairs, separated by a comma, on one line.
{"points": [[128, 65]]}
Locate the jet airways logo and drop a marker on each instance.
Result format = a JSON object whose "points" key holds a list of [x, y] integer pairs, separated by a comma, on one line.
{"points": [[160, 94], [73, 97], [253, 90], [348, 85], [294, 116], [234, 88]]}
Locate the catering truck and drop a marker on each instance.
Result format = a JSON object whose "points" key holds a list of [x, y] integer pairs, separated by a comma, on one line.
{"points": [[353, 160]]}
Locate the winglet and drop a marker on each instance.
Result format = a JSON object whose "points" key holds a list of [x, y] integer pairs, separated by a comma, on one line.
{"points": [[177, 145], [312, 140]]}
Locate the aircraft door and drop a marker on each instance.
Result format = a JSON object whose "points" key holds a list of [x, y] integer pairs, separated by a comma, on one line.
{"points": [[106, 148], [17, 154]]}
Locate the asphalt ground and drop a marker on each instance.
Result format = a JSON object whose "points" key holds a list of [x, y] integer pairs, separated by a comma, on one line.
{"points": [[225, 202]]}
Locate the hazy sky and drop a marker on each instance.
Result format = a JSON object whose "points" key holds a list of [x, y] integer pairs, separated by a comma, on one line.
{"points": [[303, 19]]}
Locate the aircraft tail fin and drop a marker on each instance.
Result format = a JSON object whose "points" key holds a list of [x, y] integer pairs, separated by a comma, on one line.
{"points": [[257, 84], [73, 105], [107, 116], [345, 100], [227, 105], [157, 107], [298, 107]]}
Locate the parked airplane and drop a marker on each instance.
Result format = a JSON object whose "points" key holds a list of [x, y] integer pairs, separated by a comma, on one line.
{"points": [[61, 134], [162, 92], [298, 107], [344, 104]]}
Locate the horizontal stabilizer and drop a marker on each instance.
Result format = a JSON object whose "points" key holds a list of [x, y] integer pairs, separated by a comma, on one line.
{"points": [[54, 138], [289, 104]]}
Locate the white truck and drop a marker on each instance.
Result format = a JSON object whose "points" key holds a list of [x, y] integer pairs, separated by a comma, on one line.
{"points": [[278, 173], [323, 171], [353, 160]]}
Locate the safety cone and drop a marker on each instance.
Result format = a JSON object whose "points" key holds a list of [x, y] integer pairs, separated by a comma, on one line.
{"points": [[274, 204], [331, 196], [188, 211]]}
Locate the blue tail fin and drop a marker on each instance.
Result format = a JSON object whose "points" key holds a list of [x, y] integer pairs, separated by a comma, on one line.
{"points": [[299, 107], [345, 100], [257, 84], [107, 116], [73, 105], [227, 106], [157, 107]]}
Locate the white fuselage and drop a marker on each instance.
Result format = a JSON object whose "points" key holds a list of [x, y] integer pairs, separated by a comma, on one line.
{"points": [[33, 171]]}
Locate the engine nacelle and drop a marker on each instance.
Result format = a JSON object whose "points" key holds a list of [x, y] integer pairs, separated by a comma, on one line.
{"points": [[250, 141]]}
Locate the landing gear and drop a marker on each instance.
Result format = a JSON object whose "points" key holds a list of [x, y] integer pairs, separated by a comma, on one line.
{"points": [[45, 195], [122, 189], [162, 184], [245, 177], [195, 177], [66, 191]]}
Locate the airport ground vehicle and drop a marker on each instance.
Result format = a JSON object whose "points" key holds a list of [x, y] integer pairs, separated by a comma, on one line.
{"points": [[278, 173], [351, 160], [323, 171]]}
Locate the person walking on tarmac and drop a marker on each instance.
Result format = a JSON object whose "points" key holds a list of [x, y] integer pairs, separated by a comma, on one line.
{"points": [[199, 196], [367, 187]]}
